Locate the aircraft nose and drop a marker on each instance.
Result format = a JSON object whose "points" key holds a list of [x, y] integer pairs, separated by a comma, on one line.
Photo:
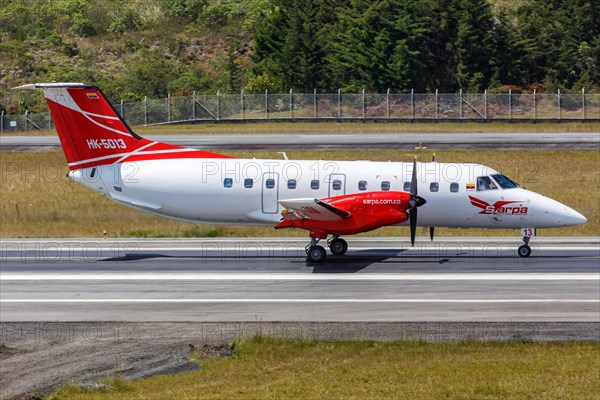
{"points": [[572, 217], [568, 217]]}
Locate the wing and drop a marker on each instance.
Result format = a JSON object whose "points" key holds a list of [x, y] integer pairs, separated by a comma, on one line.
{"points": [[314, 209]]}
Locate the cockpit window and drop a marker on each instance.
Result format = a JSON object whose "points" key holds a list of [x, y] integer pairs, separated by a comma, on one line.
{"points": [[504, 182], [485, 183]]}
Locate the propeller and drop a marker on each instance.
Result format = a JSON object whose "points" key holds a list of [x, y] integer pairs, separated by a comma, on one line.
{"points": [[414, 202], [431, 228]]}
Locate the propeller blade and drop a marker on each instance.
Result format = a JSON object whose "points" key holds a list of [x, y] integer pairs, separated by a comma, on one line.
{"points": [[414, 202], [431, 232], [413, 225], [413, 182]]}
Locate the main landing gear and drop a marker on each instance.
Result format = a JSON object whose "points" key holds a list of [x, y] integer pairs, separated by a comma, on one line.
{"points": [[525, 250], [317, 254]]}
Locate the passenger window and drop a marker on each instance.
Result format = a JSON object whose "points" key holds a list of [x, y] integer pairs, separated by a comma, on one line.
{"points": [[407, 186], [291, 184], [270, 183], [314, 184], [485, 183], [248, 182], [434, 186], [385, 185], [454, 187], [362, 185], [228, 182], [336, 185]]}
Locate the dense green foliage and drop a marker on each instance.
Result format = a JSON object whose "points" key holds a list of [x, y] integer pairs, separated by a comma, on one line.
{"points": [[429, 44], [135, 48]]}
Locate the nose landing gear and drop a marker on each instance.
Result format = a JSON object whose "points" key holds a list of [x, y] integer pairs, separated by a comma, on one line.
{"points": [[525, 250]]}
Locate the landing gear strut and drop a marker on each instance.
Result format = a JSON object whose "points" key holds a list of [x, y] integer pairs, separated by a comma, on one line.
{"points": [[337, 246], [525, 250]]}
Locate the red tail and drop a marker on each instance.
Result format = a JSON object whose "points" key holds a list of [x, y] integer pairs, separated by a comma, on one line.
{"points": [[92, 133]]}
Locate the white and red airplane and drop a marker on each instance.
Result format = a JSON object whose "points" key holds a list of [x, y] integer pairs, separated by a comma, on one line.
{"points": [[326, 198]]}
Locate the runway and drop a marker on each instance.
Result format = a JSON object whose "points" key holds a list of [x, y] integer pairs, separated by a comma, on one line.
{"points": [[229, 280], [405, 141]]}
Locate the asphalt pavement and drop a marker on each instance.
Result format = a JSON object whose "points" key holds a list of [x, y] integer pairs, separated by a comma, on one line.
{"points": [[379, 280]]}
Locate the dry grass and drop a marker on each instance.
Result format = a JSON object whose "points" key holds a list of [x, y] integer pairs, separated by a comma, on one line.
{"points": [[277, 369], [37, 200], [350, 127]]}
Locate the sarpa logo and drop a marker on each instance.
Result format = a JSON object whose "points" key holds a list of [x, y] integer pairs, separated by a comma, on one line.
{"points": [[499, 207]]}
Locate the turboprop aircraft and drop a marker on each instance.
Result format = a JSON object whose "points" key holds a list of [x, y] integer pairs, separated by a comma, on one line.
{"points": [[325, 198]]}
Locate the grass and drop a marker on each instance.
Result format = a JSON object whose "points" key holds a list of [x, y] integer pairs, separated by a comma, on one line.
{"points": [[37, 200], [349, 127], [264, 368]]}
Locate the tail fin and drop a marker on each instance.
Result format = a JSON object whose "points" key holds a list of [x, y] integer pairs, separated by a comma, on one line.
{"points": [[92, 133]]}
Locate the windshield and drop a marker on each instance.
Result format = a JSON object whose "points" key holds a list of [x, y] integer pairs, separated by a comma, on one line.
{"points": [[504, 182], [485, 183]]}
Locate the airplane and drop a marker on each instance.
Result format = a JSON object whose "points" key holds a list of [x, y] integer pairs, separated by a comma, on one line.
{"points": [[329, 199]]}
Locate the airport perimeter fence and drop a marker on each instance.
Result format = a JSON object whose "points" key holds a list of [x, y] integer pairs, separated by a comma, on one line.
{"points": [[341, 107]]}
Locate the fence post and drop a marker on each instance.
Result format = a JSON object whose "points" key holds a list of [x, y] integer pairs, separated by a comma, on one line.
{"points": [[558, 102], [2, 121], [122, 113], [412, 103], [315, 104], [534, 104], [509, 103], [339, 103], [363, 104], [485, 104], [218, 105], [387, 104], [145, 110], [461, 103], [168, 107], [583, 100], [267, 103], [194, 104], [26, 124], [242, 103], [291, 105], [49, 121], [437, 105]]}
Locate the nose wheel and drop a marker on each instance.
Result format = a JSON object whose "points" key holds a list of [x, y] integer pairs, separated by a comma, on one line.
{"points": [[525, 250]]}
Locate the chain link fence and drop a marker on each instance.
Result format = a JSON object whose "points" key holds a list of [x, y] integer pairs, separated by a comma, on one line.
{"points": [[341, 106]]}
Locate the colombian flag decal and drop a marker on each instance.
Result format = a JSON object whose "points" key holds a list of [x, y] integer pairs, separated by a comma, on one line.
{"points": [[470, 186], [92, 96]]}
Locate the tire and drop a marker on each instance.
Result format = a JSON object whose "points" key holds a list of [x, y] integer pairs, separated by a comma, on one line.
{"points": [[524, 251], [338, 247], [316, 254]]}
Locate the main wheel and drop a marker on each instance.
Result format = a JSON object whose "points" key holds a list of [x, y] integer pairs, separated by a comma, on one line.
{"points": [[338, 246], [524, 251], [316, 254]]}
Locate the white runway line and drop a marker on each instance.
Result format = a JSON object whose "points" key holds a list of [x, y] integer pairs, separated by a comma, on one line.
{"points": [[7, 277], [331, 301], [246, 247]]}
